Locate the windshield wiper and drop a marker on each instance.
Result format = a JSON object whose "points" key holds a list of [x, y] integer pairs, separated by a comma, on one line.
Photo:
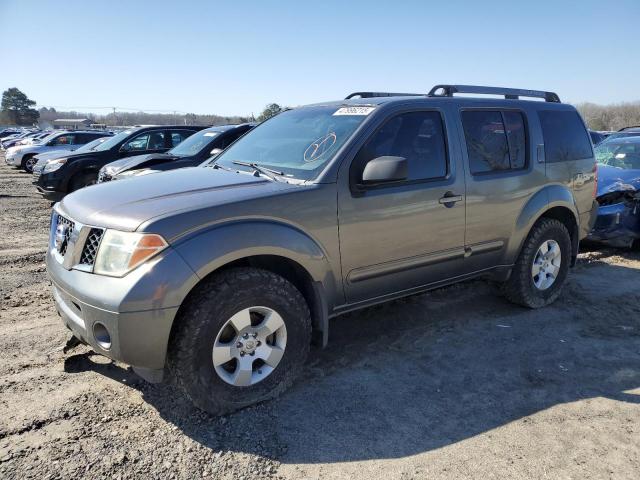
{"points": [[269, 172]]}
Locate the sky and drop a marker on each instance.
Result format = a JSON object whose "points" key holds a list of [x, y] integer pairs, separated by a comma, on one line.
{"points": [[233, 58]]}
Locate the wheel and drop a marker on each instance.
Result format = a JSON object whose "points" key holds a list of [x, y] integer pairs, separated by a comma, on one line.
{"points": [[542, 266], [242, 338], [28, 162], [81, 180]]}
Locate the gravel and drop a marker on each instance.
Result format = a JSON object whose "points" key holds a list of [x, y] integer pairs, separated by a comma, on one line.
{"points": [[456, 383]]}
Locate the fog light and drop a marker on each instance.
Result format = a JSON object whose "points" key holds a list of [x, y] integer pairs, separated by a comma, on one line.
{"points": [[101, 334]]}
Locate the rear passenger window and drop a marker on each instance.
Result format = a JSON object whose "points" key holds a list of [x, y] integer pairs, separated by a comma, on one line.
{"points": [[565, 137], [496, 140], [416, 136], [177, 137]]}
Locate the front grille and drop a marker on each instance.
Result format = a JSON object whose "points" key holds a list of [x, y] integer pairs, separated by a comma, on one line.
{"points": [[67, 234], [90, 249]]}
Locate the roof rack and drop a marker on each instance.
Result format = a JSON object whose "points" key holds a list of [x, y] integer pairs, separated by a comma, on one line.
{"points": [[381, 94], [630, 127], [509, 93]]}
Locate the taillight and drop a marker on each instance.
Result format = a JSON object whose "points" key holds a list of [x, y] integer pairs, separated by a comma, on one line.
{"points": [[595, 180]]}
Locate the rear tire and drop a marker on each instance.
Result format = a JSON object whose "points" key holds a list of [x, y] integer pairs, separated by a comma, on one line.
{"points": [[526, 288], [206, 318], [81, 180]]}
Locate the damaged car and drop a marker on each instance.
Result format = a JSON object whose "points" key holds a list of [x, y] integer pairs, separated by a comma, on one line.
{"points": [[618, 194]]}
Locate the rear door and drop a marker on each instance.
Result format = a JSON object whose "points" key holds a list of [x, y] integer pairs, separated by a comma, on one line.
{"points": [[501, 177], [404, 235]]}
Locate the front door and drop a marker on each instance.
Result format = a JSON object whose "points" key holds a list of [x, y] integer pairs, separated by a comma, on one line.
{"points": [[408, 234]]}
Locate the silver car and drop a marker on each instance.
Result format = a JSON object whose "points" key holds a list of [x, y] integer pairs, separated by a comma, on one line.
{"points": [[23, 156], [43, 158]]}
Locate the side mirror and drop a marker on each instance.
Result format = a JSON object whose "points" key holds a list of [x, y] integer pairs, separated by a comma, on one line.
{"points": [[385, 169], [215, 152]]}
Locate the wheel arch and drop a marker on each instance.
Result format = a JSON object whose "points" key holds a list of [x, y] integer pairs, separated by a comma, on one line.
{"points": [[554, 201], [302, 262]]}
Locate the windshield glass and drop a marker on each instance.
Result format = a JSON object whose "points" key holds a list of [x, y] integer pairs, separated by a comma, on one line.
{"points": [[624, 155], [113, 141], [50, 136], [297, 142], [91, 145], [194, 144]]}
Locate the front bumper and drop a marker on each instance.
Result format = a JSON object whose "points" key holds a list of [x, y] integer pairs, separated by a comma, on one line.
{"points": [[50, 186], [14, 160], [136, 310]]}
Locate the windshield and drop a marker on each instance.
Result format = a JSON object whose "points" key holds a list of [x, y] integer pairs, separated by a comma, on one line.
{"points": [[113, 141], [91, 145], [297, 142], [49, 136], [624, 155], [194, 144]]}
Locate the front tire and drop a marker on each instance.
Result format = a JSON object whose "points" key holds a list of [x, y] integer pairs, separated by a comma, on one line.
{"points": [[542, 266], [241, 338], [28, 162]]}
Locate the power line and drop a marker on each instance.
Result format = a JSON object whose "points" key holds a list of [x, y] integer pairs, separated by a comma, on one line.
{"points": [[122, 109]]}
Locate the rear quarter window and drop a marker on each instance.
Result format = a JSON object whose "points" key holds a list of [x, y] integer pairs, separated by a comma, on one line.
{"points": [[565, 137]]}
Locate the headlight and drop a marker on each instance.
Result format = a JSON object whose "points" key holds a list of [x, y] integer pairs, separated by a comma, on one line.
{"points": [[121, 252], [54, 165]]}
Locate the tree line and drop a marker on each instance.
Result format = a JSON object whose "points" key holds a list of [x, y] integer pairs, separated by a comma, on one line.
{"points": [[18, 109]]}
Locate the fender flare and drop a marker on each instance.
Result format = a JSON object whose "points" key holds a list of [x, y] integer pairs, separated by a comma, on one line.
{"points": [[542, 201], [207, 251]]}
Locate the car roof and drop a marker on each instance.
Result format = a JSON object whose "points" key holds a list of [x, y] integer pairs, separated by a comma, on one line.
{"points": [[380, 101], [226, 128], [622, 140]]}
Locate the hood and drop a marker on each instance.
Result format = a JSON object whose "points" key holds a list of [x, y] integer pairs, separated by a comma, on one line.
{"points": [[126, 163], [613, 179], [126, 204]]}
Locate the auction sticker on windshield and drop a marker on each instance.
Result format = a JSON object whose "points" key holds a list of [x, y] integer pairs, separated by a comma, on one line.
{"points": [[354, 110]]}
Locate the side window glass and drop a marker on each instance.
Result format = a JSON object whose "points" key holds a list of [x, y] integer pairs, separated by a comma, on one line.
{"points": [[63, 140], [417, 136], [486, 140], [177, 137], [517, 138], [138, 143], [565, 137]]}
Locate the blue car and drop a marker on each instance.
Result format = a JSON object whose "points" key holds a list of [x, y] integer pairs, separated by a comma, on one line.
{"points": [[618, 194]]}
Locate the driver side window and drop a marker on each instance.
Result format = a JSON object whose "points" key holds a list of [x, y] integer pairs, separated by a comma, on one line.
{"points": [[63, 140], [146, 141], [417, 136]]}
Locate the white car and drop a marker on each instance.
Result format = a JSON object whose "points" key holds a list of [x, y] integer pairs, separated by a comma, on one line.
{"points": [[23, 156]]}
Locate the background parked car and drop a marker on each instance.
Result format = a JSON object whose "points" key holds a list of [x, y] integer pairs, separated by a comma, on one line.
{"points": [[42, 158], [75, 171], [34, 138], [618, 195], [23, 156], [8, 131], [193, 151], [11, 140], [596, 137]]}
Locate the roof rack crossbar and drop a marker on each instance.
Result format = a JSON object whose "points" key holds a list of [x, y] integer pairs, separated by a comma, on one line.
{"points": [[381, 94], [509, 93]]}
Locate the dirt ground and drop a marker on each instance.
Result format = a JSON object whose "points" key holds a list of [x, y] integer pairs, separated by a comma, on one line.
{"points": [[456, 384]]}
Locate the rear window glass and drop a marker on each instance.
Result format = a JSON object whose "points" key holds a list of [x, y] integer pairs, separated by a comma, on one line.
{"points": [[565, 137], [496, 140]]}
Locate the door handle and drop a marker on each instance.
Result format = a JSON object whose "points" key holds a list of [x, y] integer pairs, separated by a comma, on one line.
{"points": [[449, 199]]}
